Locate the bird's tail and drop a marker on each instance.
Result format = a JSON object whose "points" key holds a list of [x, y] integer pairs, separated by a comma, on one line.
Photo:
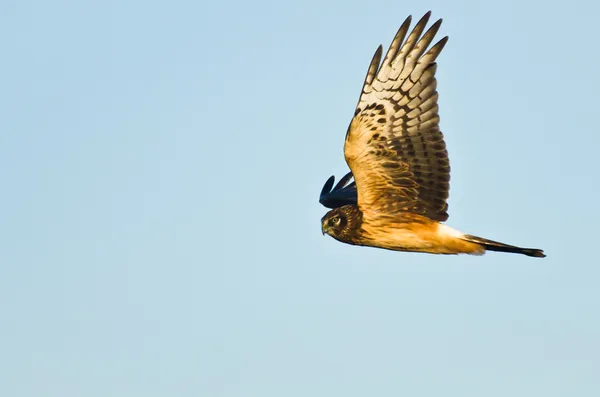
{"points": [[490, 245]]}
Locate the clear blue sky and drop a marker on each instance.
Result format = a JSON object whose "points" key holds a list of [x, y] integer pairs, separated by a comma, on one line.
{"points": [[160, 165]]}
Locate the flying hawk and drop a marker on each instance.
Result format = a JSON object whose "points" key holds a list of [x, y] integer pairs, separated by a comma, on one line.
{"points": [[397, 156]]}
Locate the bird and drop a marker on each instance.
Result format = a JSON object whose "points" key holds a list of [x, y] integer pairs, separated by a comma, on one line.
{"points": [[398, 158]]}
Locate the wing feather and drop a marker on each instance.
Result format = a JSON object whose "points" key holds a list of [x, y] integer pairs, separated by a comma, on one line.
{"points": [[395, 46], [372, 72], [394, 146], [411, 41], [341, 194]]}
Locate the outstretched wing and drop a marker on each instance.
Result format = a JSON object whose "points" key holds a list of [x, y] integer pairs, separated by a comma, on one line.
{"points": [[341, 194], [394, 146]]}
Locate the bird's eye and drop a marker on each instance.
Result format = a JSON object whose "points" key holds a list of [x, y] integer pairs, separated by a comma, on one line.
{"points": [[336, 220]]}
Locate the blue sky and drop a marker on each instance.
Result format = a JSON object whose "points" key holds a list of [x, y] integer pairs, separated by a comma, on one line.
{"points": [[161, 164]]}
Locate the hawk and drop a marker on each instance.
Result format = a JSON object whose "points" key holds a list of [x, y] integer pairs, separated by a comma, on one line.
{"points": [[398, 159]]}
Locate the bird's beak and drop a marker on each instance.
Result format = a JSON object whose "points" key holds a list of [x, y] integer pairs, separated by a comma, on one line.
{"points": [[323, 229]]}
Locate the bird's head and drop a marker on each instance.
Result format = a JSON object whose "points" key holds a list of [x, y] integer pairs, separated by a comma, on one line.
{"points": [[342, 223]]}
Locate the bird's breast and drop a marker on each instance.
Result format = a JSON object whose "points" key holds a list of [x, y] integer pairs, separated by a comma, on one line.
{"points": [[405, 232]]}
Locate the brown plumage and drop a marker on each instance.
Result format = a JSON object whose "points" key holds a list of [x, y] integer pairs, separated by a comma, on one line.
{"points": [[398, 157]]}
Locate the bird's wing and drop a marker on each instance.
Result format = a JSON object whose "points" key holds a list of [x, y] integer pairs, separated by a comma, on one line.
{"points": [[341, 194], [394, 146]]}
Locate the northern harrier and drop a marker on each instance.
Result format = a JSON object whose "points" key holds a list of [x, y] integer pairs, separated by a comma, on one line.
{"points": [[397, 156]]}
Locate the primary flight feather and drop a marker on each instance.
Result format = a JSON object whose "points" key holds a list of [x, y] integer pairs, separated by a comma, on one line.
{"points": [[398, 158]]}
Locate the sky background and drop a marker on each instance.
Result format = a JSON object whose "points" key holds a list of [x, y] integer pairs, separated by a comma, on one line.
{"points": [[161, 162]]}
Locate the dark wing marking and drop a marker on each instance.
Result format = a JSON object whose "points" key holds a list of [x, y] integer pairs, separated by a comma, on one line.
{"points": [[342, 194], [394, 146]]}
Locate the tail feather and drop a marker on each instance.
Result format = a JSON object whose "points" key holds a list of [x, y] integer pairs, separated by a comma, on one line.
{"points": [[491, 245]]}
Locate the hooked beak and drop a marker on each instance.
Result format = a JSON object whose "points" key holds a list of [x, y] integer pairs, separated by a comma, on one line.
{"points": [[323, 229]]}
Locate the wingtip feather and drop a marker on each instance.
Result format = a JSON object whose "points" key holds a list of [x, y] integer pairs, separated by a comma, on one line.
{"points": [[327, 186]]}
